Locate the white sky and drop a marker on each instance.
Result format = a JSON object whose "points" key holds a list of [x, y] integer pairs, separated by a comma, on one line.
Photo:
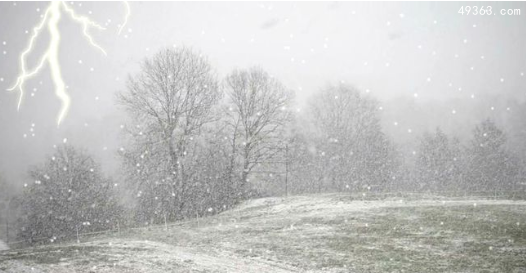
{"points": [[395, 50]]}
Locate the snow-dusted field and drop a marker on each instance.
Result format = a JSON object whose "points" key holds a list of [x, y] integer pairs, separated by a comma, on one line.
{"points": [[328, 233]]}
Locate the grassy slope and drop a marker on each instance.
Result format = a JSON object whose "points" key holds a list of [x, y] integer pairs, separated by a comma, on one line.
{"points": [[328, 233]]}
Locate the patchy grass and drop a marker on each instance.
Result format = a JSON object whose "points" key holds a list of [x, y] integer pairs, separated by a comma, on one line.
{"points": [[435, 239], [329, 233]]}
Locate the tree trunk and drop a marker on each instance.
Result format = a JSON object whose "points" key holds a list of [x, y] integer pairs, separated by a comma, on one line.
{"points": [[245, 171]]}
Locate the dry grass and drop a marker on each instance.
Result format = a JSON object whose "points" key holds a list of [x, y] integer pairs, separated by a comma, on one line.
{"points": [[328, 233]]}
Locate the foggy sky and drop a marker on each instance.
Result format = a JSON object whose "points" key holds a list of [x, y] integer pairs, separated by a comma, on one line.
{"points": [[422, 58]]}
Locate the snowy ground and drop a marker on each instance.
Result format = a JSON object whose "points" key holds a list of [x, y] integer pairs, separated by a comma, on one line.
{"points": [[328, 233]]}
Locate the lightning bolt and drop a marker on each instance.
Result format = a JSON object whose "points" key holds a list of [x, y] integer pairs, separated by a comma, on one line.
{"points": [[127, 6], [86, 23], [51, 19]]}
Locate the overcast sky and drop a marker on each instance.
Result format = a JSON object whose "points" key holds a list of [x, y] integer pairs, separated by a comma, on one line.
{"points": [[417, 52]]}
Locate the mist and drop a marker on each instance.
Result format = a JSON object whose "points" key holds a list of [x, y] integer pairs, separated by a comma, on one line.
{"points": [[388, 49]]}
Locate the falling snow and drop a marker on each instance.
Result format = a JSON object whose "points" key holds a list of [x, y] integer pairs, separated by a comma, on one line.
{"points": [[241, 137]]}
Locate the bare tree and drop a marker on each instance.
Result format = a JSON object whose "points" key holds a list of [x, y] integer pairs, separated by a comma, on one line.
{"points": [[438, 164], [351, 148], [8, 203], [257, 115], [170, 100]]}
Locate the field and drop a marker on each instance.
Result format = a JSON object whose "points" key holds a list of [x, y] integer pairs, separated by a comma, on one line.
{"points": [[318, 233]]}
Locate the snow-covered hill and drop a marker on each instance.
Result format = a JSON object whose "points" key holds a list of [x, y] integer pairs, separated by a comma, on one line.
{"points": [[327, 233]]}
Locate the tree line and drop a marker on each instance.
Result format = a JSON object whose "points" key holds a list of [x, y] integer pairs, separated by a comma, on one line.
{"points": [[195, 145]]}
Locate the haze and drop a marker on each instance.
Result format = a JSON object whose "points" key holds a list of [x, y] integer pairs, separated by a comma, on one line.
{"points": [[428, 65]]}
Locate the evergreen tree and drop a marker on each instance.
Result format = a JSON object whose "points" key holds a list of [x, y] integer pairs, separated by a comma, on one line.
{"points": [[68, 194]]}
